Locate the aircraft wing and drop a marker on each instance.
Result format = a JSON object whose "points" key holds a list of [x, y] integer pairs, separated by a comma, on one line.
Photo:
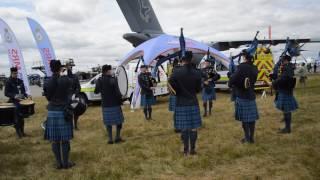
{"points": [[226, 45]]}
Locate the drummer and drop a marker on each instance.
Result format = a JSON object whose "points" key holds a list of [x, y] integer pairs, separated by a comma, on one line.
{"points": [[16, 92], [75, 89], [58, 129]]}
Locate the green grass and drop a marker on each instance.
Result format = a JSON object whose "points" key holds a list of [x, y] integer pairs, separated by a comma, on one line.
{"points": [[153, 151]]}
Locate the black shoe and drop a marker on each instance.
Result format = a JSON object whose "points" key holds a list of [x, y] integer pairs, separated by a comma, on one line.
{"points": [[69, 165], [205, 115], [59, 166], [193, 152], [76, 128], [119, 140], [251, 141], [244, 140], [285, 131], [110, 142]]}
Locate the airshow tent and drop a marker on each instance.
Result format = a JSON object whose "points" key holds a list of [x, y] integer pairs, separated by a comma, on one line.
{"points": [[168, 44]]}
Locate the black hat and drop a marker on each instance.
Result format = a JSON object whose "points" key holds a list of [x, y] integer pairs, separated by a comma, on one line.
{"points": [[286, 57], [106, 68], [188, 56], [246, 55], [55, 65], [143, 66], [13, 69]]}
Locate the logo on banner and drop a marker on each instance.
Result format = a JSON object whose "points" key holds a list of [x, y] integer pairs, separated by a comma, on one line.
{"points": [[7, 36], [38, 34], [145, 11]]}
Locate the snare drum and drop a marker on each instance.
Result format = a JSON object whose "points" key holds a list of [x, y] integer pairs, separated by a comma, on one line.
{"points": [[7, 114], [27, 107]]}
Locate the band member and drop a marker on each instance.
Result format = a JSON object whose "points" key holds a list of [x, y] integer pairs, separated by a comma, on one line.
{"points": [[58, 128], [186, 81], [15, 91], [75, 90], [147, 97], [209, 76], [243, 81], [284, 85], [111, 102]]}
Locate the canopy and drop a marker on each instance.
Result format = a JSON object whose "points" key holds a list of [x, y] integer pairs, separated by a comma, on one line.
{"points": [[167, 44]]}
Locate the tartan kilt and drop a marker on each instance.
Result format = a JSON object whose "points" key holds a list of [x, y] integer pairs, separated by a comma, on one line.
{"points": [[246, 110], [147, 100], [57, 128], [209, 96], [286, 102], [187, 117], [112, 115], [172, 102]]}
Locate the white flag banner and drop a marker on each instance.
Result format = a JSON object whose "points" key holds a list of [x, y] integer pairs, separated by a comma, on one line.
{"points": [[14, 53], [44, 45]]}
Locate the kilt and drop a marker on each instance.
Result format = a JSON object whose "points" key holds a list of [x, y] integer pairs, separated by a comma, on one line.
{"points": [[172, 102], [209, 96], [147, 100], [112, 115], [286, 102], [187, 117], [246, 110], [57, 128]]}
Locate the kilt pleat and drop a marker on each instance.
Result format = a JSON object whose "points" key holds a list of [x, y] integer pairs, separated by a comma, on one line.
{"points": [[209, 96], [187, 117], [57, 128], [172, 102], [246, 110], [286, 102], [147, 100], [112, 115]]}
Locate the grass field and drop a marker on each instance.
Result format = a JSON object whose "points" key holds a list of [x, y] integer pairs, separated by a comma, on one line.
{"points": [[153, 151]]}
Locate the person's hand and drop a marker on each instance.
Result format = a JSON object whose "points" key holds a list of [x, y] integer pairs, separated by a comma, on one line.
{"points": [[206, 82]]}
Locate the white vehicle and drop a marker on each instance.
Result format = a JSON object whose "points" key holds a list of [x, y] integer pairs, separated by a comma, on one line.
{"points": [[87, 88]]}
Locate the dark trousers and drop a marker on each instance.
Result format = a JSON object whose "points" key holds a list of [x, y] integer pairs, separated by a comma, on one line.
{"points": [[118, 132], [19, 126], [248, 129], [75, 120], [205, 107]]}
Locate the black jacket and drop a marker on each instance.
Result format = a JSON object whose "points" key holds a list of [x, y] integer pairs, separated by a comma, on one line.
{"points": [[186, 81], [237, 81], [110, 93], [286, 81], [209, 73], [145, 83], [14, 86], [58, 91]]}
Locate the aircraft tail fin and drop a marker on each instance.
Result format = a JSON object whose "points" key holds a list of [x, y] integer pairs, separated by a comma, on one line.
{"points": [[140, 16]]}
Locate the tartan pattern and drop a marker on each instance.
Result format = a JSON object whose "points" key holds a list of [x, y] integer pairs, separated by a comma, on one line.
{"points": [[147, 100], [286, 102], [209, 96], [57, 128], [246, 110], [172, 102], [187, 117], [112, 115]]}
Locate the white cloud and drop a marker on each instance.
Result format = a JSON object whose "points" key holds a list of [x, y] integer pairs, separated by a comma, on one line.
{"points": [[91, 30]]}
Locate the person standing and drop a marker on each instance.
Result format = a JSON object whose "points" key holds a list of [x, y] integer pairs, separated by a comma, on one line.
{"points": [[243, 81], [209, 76], [75, 90], [147, 97], [186, 81], [59, 128], [15, 91], [111, 103], [284, 84], [302, 73], [315, 67]]}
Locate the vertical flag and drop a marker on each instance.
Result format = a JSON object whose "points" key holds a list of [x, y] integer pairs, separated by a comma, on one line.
{"points": [[14, 53], [44, 45], [182, 43]]}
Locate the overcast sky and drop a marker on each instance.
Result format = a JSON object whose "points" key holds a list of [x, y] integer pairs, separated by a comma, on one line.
{"points": [[90, 31]]}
